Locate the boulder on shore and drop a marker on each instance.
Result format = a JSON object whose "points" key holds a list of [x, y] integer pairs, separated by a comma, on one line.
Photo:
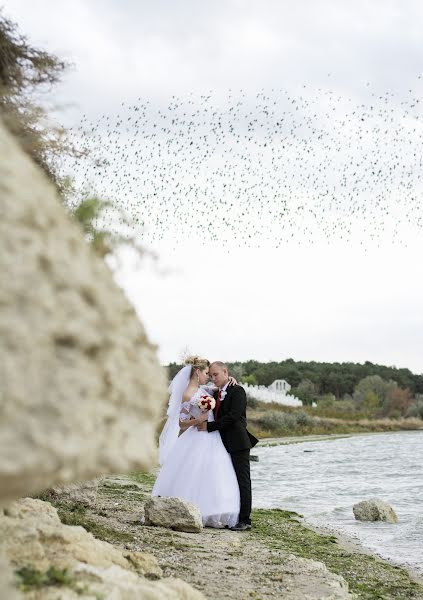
{"points": [[374, 509], [173, 513]]}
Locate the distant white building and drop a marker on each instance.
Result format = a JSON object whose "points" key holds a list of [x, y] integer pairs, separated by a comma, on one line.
{"points": [[276, 392], [280, 385]]}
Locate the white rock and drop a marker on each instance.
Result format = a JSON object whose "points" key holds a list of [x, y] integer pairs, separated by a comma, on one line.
{"points": [[81, 389], [173, 513], [305, 579], [374, 509]]}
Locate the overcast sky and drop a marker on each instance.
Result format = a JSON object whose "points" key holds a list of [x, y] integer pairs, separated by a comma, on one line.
{"points": [[326, 302]]}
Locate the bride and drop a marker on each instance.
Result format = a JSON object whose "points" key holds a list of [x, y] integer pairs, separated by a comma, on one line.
{"points": [[196, 465]]}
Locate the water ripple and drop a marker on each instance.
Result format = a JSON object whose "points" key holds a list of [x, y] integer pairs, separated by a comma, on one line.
{"points": [[322, 481]]}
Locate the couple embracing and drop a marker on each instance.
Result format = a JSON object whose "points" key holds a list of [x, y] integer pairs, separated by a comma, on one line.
{"points": [[205, 445]]}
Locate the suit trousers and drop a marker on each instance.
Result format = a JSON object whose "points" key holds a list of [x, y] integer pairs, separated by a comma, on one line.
{"points": [[241, 463]]}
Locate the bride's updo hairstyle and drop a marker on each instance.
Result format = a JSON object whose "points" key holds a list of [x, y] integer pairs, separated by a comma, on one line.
{"points": [[197, 362]]}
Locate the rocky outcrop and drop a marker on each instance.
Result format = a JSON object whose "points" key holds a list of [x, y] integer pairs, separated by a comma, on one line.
{"points": [[81, 388], [84, 493], [145, 564], [32, 536], [173, 513], [31, 533], [8, 589], [115, 583], [311, 580], [374, 510]]}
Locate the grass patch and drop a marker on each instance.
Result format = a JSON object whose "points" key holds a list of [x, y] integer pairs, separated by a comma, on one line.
{"points": [[76, 514], [367, 577], [273, 420], [30, 579], [146, 479], [99, 531], [107, 534], [123, 493]]}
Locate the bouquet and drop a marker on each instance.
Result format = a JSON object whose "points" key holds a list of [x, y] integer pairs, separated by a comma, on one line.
{"points": [[206, 403]]}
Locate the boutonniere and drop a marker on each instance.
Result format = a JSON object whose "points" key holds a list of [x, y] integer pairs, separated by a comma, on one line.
{"points": [[222, 395]]}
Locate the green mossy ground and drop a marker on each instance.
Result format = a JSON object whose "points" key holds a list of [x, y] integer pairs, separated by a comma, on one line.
{"points": [[367, 576]]}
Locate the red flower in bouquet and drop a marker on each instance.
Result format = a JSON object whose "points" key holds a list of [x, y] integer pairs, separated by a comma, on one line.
{"points": [[206, 403]]}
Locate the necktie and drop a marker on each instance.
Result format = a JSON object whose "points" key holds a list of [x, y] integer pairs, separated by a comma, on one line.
{"points": [[218, 402]]}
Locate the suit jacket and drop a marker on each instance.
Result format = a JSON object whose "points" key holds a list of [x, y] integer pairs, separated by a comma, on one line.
{"points": [[232, 421]]}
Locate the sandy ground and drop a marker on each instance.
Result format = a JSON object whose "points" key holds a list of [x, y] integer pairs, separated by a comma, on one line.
{"points": [[221, 563]]}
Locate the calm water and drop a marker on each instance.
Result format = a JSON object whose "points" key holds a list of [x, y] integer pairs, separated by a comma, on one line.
{"points": [[322, 480]]}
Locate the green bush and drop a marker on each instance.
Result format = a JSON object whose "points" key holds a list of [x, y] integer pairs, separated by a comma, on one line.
{"points": [[252, 402], [250, 380], [415, 410], [274, 421], [282, 422], [303, 419], [327, 401]]}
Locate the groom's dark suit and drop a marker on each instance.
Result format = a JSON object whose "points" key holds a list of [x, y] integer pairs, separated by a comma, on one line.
{"points": [[232, 424]]}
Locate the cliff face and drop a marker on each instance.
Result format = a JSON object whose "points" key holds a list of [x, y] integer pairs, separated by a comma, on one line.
{"points": [[81, 389], [80, 384]]}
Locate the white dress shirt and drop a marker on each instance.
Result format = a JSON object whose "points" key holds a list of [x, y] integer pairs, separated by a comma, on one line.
{"points": [[223, 392]]}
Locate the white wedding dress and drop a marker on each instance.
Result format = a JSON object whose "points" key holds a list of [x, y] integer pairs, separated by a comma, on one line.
{"points": [[199, 470]]}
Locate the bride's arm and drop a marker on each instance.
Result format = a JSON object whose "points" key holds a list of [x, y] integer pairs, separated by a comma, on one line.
{"points": [[186, 420], [185, 424], [209, 388]]}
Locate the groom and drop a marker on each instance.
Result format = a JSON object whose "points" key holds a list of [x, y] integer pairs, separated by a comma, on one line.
{"points": [[231, 422]]}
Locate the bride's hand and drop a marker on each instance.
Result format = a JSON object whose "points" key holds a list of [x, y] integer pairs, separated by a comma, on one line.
{"points": [[232, 381], [202, 421]]}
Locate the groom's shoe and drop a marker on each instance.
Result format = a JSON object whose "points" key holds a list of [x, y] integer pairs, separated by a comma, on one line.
{"points": [[241, 527]]}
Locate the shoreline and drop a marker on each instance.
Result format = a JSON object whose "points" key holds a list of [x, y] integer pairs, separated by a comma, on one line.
{"points": [[321, 426], [345, 540], [352, 544], [269, 442], [340, 553]]}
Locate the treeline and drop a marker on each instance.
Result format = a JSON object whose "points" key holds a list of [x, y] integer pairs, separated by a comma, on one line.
{"points": [[339, 379]]}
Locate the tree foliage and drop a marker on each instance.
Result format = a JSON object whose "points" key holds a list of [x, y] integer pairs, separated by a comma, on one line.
{"points": [[306, 391], [249, 380], [397, 402], [25, 73], [339, 379], [373, 390]]}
